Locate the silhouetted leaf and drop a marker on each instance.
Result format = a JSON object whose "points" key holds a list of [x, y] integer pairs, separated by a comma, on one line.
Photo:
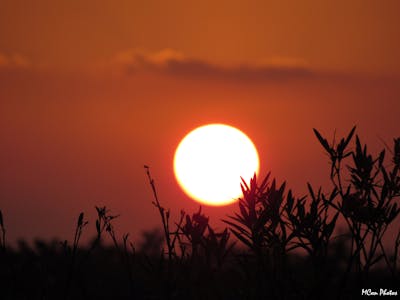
{"points": [[313, 209], [323, 141], [265, 182], [373, 262], [80, 219], [331, 226], [98, 227], [262, 220], [244, 212], [238, 228], [310, 189], [241, 238], [349, 137], [396, 154], [289, 201], [393, 213], [240, 220], [244, 184], [381, 158], [300, 208]]}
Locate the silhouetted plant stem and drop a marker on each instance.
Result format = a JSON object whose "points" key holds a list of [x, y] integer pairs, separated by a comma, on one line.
{"points": [[104, 223], [163, 214], [129, 263], [78, 232], [3, 233], [101, 223]]}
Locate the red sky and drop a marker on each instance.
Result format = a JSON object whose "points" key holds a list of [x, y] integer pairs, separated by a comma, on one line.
{"points": [[90, 91]]}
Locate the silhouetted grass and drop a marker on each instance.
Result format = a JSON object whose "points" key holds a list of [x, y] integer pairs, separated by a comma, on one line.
{"points": [[282, 246]]}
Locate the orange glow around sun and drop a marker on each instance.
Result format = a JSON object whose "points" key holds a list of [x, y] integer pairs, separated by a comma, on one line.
{"points": [[210, 161]]}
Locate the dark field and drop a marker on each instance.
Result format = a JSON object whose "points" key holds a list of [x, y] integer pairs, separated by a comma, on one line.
{"points": [[276, 246]]}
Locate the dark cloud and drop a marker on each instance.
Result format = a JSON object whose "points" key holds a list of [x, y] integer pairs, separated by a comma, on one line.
{"points": [[174, 63]]}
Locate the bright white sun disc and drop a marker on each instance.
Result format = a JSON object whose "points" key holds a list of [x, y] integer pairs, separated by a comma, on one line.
{"points": [[210, 160]]}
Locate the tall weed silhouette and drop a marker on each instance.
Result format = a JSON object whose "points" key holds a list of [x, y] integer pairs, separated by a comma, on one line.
{"points": [[367, 199]]}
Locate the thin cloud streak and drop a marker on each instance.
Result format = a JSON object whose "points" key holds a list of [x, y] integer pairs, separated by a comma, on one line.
{"points": [[174, 63]]}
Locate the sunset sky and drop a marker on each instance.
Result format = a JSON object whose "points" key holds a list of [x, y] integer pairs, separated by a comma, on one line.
{"points": [[90, 91]]}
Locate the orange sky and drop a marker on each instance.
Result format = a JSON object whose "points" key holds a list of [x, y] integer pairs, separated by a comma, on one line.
{"points": [[90, 91], [346, 35]]}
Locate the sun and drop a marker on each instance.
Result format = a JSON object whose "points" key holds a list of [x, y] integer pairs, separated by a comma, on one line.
{"points": [[211, 159]]}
